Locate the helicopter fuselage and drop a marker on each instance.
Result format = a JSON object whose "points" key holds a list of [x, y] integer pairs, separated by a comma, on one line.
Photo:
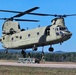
{"points": [[40, 36]]}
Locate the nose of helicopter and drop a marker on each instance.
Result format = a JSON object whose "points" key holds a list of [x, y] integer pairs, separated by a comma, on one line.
{"points": [[67, 35], [70, 34]]}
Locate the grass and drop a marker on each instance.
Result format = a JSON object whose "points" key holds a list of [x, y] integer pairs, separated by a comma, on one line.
{"points": [[13, 70]]}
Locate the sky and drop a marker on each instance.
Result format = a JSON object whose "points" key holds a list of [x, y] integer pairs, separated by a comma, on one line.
{"points": [[48, 7]]}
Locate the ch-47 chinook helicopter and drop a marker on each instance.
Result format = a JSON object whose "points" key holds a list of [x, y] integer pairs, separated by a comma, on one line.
{"points": [[15, 38]]}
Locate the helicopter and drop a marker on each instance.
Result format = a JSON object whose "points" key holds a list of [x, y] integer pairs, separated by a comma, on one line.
{"points": [[15, 38]]}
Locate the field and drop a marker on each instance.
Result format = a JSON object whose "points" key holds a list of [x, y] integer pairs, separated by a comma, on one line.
{"points": [[13, 70]]}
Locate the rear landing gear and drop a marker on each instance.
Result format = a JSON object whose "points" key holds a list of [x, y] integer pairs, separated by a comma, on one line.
{"points": [[23, 53], [51, 49], [6, 51]]}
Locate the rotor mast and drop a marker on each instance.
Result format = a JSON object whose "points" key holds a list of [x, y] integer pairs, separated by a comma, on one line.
{"points": [[58, 21]]}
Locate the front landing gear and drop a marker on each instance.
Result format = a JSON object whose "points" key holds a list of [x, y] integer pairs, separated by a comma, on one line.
{"points": [[51, 49]]}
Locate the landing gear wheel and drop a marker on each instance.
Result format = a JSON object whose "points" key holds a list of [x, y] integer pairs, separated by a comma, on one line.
{"points": [[51, 49], [35, 49]]}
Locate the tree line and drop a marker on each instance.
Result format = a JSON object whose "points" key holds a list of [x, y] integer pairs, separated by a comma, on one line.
{"points": [[52, 57]]}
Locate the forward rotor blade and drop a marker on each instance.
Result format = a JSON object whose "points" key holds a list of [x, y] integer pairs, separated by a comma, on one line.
{"points": [[70, 15], [61, 16], [26, 20], [25, 12], [55, 15]]}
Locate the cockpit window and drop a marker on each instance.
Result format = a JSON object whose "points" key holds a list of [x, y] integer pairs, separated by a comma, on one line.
{"points": [[61, 28], [57, 29]]}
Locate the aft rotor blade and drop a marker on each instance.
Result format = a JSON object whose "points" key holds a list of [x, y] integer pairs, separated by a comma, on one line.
{"points": [[39, 14], [3, 18], [26, 20], [25, 12], [20, 20], [10, 11]]}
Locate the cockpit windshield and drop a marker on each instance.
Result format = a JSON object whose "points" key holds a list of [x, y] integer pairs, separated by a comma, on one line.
{"points": [[63, 28], [59, 28]]}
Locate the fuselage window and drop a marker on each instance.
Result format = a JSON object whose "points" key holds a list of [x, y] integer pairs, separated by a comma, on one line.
{"points": [[3, 38], [16, 36], [20, 37], [57, 29], [12, 38], [28, 35], [37, 33]]}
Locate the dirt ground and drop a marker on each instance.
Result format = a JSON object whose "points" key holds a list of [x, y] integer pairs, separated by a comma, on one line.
{"points": [[42, 62]]}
